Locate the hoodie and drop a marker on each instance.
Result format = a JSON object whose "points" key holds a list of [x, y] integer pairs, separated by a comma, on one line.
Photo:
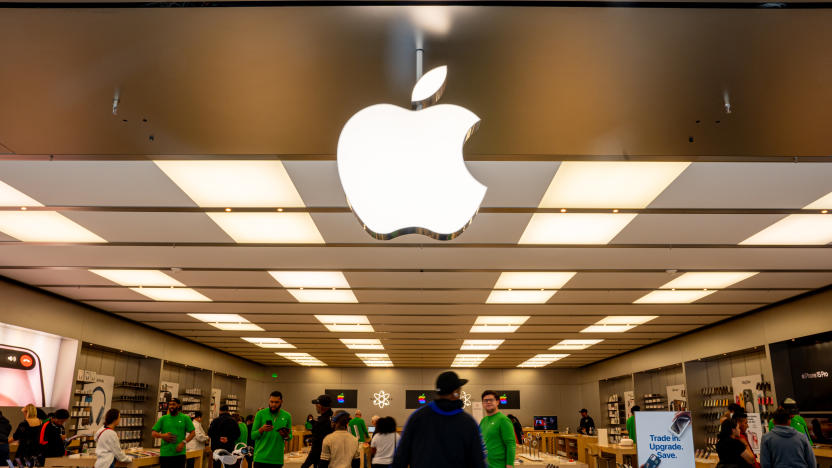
{"points": [[440, 435], [784, 447]]}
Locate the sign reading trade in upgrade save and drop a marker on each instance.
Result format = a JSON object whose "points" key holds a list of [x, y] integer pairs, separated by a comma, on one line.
{"points": [[664, 439]]}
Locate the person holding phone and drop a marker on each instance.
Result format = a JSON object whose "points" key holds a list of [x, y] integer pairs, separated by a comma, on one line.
{"points": [[271, 430], [175, 429], [107, 444], [224, 433]]}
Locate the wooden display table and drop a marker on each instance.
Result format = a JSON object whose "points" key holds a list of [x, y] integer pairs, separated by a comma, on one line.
{"points": [[547, 439], [86, 460], [823, 454], [614, 449], [573, 446]]}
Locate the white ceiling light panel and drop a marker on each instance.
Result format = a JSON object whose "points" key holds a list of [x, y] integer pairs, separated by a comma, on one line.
{"points": [[481, 345], [575, 345], [324, 295], [468, 360], [574, 228], [142, 278], [375, 359], [533, 279], [709, 280], [542, 360], [10, 196], [228, 322], [44, 226], [679, 296], [799, 229], [274, 228], [311, 279], [172, 294], [618, 323], [498, 324], [271, 343], [346, 323], [609, 184], [304, 359], [521, 296], [362, 343]]}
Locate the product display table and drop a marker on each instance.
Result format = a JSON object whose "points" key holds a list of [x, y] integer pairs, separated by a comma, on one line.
{"points": [[709, 462], [86, 460], [823, 454], [573, 446], [614, 449]]}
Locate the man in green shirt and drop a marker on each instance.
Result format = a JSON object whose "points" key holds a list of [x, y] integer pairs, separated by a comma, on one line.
{"points": [[631, 423], [175, 429], [797, 421], [243, 439], [358, 428], [271, 430], [497, 433]]}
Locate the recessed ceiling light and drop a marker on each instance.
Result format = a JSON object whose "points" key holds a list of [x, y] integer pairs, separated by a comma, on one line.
{"points": [[346, 323], [44, 226], [609, 184], [228, 322], [796, 229], [273, 343], [520, 296], [475, 345], [234, 183], [323, 295], [574, 228], [375, 359], [607, 328], [498, 324], [533, 279], [304, 359], [468, 360], [542, 360], [361, 343], [278, 228], [10, 196], [172, 294], [310, 279], [618, 323], [138, 277], [710, 280], [679, 296], [575, 344]]}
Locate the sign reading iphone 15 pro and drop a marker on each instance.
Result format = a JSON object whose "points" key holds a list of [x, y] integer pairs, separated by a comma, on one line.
{"points": [[665, 439], [343, 398], [417, 398], [508, 399]]}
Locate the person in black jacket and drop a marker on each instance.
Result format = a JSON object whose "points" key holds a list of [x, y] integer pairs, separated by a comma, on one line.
{"points": [[442, 435], [53, 433], [321, 429], [223, 432], [5, 432]]}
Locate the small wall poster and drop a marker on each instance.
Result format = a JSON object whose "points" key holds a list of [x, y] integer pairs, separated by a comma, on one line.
{"points": [[664, 438]]}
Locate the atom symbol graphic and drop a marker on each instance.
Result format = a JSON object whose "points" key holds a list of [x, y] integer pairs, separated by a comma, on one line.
{"points": [[466, 398], [381, 399]]}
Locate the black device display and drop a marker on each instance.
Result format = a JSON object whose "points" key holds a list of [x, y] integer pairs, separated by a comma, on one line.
{"points": [[805, 365], [546, 423], [508, 399], [343, 398], [414, 399]]}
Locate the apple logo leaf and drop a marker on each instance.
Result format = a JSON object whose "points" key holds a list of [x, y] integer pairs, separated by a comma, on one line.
{"points": [[428, 90]]}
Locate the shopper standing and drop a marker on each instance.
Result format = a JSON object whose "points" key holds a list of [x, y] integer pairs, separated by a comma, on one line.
{"points": [[200, 440], [731, 449], [358, 428], [243, 439], [27, 436], [784, 446], [175, 429], [340, 449], [631, 423], [271, 429], [384, 442], [497, 433], [53, 434], [107, 443], [223, 432], [5, 435], [797, 421], [742, 424], [587, 424], [441, 434], [321, 429]]}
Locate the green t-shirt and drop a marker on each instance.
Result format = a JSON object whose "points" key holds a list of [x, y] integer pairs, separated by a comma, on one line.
{"points": [[243, 434], [798, 423], [631, 428], [269, 446], [358, 428], [498, 436], [308, 425], [180, 426]]}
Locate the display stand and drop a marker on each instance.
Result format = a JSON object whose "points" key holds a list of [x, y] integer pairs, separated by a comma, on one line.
{"points": [[651, 387], [86, 461], [612, 401]]}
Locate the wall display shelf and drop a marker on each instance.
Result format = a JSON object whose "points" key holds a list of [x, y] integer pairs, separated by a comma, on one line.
{"points": [[190, 386], [232, 391], [615, 416]]}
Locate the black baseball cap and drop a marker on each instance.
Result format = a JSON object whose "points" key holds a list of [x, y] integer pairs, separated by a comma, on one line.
{"points": [[447, 382], [583, 410], [323, 400]]}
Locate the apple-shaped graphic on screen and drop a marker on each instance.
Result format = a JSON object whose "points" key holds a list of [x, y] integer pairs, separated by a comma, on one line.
{"points": [[402, 170]]}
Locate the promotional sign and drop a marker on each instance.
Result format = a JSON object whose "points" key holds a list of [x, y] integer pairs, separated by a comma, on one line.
{"points": [[508, 399], [35, 367], [677, 397], [629, 402], [746, 392], [664, 438], [167, 390], [811, 367], [476, 411], [343, 398], [98, 397], [414, 399], [754, 432], [216, 393]]}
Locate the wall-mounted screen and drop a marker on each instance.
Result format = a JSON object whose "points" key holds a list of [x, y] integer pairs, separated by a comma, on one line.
{"points": [[811, 366], [508, 399], [417, 398], [35, 367], [546, 423], [343, 398]]}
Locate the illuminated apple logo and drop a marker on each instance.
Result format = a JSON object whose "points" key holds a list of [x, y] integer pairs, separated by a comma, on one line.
{"points": [[422, 399], [403, 171], [341, 398], [503, 399]]}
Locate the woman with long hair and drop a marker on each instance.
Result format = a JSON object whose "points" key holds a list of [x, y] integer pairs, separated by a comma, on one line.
{"points": [[732, 451], [383, 445], [107, 443], [27, 435]]}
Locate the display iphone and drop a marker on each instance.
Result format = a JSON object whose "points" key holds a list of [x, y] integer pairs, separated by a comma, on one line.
{"points": [[681, 421], [21, 377], [652, 462], [749, 400]]}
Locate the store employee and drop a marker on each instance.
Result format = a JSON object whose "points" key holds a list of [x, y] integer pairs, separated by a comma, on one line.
{"points": [[586, 423]]}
